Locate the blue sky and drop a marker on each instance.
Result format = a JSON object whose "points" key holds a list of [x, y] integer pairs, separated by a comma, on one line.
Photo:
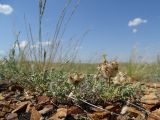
{"points": [[116, 26]]}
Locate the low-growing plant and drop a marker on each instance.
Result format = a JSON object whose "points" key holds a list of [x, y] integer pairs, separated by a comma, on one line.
{"points": [[91, 89], [60, 83]]}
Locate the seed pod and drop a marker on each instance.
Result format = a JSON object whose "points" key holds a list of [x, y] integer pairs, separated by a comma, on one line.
{"points": [[76, 78]]}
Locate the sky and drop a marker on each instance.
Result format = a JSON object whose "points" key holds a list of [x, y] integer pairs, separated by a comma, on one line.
{"points": [[116, 27]]}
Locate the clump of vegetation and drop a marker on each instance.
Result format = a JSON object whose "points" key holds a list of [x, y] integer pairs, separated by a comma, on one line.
{"points": [[59, 83], [140, 69]]}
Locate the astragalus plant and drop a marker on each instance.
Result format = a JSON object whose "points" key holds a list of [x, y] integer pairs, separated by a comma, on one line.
{"points": [[93, 88]]}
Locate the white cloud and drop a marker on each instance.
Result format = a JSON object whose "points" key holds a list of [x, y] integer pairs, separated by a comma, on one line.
{"points": [[34, 46], [136, 22], [44, 44], [22, 44], [78, 47], [5, 9], [135, 30], [2, 52]]}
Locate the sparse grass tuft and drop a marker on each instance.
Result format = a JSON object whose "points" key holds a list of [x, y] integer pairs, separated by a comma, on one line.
{"points": [[59, 83]]}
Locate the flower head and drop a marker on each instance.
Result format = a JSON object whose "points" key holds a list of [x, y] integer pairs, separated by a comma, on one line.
{"points": [[76, 78]]}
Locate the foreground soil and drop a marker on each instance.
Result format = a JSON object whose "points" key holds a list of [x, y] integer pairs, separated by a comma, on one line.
{"points": [[16, 103]]}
